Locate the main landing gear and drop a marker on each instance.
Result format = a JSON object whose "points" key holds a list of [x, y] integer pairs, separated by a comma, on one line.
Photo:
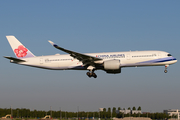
{"points": [[165, 71], [91, 74]]}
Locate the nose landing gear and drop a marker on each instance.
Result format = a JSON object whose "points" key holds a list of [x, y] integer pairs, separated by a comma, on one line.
{"points": [[165, 71]]}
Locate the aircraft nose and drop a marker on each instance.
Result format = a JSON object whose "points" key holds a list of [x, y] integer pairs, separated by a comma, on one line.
{"points": [[175, 60]]}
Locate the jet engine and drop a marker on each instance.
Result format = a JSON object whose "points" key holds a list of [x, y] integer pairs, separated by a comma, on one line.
{"points": [[112, 66]]}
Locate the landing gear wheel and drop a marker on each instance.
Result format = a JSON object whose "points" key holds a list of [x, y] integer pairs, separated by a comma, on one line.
{"points": [[165, 71], [94, 75], [91, 74], [88, 74]]}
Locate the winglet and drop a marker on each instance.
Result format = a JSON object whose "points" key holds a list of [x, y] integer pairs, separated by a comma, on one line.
{"points": [[52, 43]]}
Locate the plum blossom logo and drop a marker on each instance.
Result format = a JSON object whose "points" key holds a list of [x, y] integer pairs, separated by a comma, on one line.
{"points": [[21, 51]]}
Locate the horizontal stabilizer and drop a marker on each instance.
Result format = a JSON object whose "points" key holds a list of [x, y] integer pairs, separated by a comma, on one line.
{"points": [[15, 59]]}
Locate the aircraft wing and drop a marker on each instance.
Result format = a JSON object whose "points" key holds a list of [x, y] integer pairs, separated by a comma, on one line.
{"points": [[15, 59], [86, 59]]}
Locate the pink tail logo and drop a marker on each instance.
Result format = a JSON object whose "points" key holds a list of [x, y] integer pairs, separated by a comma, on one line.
{"points": [[21, 51]]}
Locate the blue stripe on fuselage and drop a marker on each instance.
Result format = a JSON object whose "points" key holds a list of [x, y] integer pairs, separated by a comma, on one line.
{"points": [[159, 60]]}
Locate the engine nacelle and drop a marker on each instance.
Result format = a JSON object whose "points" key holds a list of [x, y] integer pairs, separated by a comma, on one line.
{"points": [[112, 66]]}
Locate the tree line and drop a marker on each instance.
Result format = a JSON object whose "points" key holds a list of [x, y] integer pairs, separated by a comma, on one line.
{"points": [[27, 113]]}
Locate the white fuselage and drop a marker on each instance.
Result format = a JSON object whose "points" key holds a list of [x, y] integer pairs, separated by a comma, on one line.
{"points": [[127, 59], [111, 62]]}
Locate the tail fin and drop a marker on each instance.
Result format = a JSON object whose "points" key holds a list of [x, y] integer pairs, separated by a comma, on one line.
{"points": [[18, 48]]}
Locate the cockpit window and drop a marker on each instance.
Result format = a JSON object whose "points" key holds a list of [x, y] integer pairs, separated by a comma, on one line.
{"points": [[169, 55]]}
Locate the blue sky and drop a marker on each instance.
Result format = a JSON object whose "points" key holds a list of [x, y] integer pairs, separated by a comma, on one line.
{"points": [[87, 27]]}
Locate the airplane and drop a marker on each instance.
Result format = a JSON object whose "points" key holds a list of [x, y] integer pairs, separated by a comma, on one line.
{"points": [[110, 62]]}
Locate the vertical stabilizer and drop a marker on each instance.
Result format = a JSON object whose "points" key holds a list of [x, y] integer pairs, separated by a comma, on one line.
{"points": [[18, 48]]}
